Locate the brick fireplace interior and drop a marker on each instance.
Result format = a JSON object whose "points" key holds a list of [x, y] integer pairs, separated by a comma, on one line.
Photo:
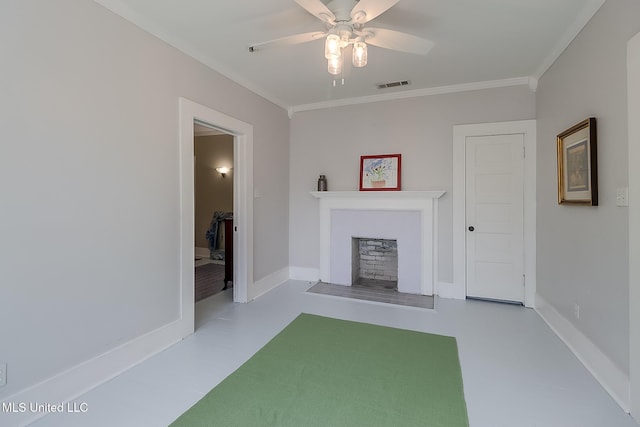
{"points": [[374, 263]]}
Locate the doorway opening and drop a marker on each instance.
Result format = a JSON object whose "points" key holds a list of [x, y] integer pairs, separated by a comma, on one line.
{"points": [[242, 225], [213, 209]]}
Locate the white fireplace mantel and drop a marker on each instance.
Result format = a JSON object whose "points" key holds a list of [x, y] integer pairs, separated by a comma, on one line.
{"points": [[436, 194], [425, 202]]}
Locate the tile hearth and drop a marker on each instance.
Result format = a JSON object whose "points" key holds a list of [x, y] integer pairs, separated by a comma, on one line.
{"points": [[374, 290]]}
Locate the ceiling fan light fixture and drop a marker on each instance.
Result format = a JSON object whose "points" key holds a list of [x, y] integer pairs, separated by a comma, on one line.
{"points": [[344, 37], [359, 16], [332, 47], [359, 56], [346, 23], [334, 65]]}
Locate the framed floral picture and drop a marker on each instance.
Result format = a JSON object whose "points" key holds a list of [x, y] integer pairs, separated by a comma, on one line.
{"points": [[578, 165], [381, 172]]}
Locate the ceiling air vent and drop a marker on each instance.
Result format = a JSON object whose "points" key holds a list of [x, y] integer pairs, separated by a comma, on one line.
{"points": [[394, 84]]}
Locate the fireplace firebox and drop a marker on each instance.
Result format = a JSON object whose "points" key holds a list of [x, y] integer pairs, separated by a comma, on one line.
{"points": [[374, 262]]}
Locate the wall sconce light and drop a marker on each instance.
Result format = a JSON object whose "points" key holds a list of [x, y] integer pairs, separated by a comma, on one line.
{"points": [[223, 171]]}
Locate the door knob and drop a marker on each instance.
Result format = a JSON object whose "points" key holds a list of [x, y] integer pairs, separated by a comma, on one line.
{"points": [[471, 228]]}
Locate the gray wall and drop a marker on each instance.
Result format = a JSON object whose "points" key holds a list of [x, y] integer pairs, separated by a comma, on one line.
{"points": [[331, 142], [583, 251], [89, 218]]}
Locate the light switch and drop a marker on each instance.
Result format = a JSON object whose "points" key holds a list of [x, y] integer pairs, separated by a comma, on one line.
{"points": [[622, 196]]}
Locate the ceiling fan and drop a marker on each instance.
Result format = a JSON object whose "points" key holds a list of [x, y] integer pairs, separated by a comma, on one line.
{"points": [[345, 25]]}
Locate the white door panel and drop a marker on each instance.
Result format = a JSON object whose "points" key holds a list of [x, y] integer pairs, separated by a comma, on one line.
{"points": [[495, 217]]}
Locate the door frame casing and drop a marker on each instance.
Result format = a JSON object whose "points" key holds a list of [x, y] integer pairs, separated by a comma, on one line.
{"points": [[527, 128], [633, 99], [191, 112]]}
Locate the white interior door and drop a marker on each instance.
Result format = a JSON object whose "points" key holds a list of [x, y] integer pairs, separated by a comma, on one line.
{"points": [[495, 217]]}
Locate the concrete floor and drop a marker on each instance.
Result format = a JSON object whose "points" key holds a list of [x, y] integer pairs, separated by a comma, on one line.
{"points": [[516, 371]]}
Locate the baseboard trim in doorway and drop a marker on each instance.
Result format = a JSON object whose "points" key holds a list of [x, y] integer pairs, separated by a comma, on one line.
{"points": [[202, 252], [450, 290], [612, 379]]}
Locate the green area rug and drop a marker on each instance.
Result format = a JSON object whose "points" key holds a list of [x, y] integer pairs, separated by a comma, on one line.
{"points": [[327, 372]]}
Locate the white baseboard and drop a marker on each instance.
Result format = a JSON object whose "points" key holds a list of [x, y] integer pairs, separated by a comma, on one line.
{"points": [[450, 290], [612, 379], [202, 253], [70, 384], [269, 282], [303, 273]]}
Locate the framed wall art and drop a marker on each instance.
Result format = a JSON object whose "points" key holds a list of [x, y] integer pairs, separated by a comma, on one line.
{"points": [[381, 172], [578, 164]]}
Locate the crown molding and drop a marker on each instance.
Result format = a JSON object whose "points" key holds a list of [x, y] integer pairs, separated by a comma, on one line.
{"points": [[123, 10], [441, 90], [588, 11]]}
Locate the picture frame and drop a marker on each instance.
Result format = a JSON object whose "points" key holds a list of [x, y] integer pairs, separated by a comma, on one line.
{"points": [[578, 164], [381, 172]]}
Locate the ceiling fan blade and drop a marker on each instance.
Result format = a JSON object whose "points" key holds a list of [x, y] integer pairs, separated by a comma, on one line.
{"points": [[396, 40], [366, 10], [318, 9], [288, 41]]}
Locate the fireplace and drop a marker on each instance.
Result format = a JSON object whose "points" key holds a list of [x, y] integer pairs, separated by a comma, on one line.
{"points": [[408, 217], [374, 263]]}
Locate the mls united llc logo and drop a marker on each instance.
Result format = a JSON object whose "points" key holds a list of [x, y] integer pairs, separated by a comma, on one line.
{"points": [[36, 407]]}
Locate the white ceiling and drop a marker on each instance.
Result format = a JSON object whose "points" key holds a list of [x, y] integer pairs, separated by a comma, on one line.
{"points": [[478, 44]]}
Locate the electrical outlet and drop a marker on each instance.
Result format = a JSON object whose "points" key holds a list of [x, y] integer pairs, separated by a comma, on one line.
{"points": [[3, 374], [576, 311], [622, 196]]}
